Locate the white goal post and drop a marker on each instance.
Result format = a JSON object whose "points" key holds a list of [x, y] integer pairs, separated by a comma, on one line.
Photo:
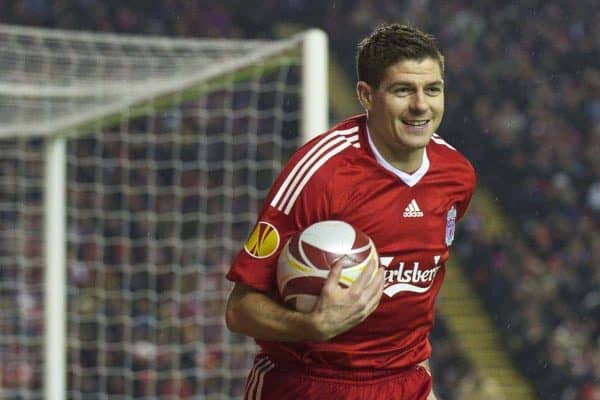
{"points": [[137, 164]]}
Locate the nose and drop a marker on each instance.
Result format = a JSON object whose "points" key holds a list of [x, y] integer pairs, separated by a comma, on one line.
{"points": [[418, 104]]}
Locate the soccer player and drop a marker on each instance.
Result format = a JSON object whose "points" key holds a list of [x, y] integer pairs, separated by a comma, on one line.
{"points": [[390, 175]]}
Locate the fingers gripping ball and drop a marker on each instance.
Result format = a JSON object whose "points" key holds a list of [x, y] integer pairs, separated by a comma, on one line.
{"points": [[308, 255]]}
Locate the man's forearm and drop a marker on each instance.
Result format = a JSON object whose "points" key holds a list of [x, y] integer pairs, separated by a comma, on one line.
{"points": [[255, 314]]}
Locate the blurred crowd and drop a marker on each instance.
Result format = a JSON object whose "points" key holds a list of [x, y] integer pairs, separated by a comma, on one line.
{"points": [[523, 103], [528, 79]]}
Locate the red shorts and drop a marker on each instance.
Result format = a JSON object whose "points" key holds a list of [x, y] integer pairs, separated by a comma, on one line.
{"points": [[268, 381]]}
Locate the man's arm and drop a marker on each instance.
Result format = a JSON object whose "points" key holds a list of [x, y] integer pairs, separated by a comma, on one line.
{"points": [[338, 309]]}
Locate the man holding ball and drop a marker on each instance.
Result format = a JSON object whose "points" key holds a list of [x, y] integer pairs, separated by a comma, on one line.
{"points": [[388, 174]]}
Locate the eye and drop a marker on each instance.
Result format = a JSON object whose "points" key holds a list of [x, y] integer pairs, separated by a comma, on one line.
{"points": [[402, 91], [433, 90]]}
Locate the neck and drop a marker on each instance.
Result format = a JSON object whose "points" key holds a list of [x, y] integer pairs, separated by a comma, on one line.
{"points": [[408, 162], [405, 159]]}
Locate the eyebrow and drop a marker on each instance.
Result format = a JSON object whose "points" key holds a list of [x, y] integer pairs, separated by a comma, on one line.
{"points": [[410, 83]]}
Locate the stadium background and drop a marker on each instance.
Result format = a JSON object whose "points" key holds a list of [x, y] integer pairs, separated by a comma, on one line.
{"points": [[523, 104]]}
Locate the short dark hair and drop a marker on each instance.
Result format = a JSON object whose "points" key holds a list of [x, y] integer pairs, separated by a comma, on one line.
{"points": [[389, 44]]}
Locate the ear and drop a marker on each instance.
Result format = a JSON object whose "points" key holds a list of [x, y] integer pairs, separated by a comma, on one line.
{"points": [[365, 94]]}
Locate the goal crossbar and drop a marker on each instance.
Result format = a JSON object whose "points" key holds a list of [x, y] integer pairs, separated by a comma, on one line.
{"points": [[120, 96]]}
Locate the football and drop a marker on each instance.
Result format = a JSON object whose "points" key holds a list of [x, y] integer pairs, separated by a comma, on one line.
{"points": [[306, 258]]}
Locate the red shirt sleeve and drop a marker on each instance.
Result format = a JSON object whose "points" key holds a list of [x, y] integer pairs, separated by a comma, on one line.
{"points": [[292, 204]]}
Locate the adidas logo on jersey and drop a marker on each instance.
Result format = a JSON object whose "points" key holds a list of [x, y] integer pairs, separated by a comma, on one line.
{"points": [[412, 210]]}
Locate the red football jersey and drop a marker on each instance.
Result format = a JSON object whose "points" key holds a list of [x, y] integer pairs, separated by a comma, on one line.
{"points": [[410, 217]]}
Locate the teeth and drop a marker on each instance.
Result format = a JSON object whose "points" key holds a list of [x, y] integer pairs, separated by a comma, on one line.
{"points": [[416, 123]]}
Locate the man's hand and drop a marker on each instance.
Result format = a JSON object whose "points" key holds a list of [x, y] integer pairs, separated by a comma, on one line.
{"points": [[338, 309]]}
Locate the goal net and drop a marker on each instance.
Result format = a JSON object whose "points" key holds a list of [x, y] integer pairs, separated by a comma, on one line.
{"points": [[169, 148]]}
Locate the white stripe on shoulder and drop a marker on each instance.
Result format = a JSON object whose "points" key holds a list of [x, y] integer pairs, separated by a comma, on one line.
{"points": [[307, 164], [438, 139], [312, 171], [324, 149]]}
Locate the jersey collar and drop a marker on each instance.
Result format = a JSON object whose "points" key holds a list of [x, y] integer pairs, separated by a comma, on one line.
{"points": [[409, 179]]}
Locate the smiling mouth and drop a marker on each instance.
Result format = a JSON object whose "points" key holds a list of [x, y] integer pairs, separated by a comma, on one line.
{"points": [[416, 122]]}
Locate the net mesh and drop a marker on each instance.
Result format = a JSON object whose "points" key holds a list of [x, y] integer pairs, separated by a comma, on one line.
{"points": [[52, 79], [160, 196], [21, 272]]}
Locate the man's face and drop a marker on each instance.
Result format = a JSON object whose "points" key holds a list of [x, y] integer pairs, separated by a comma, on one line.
{"points": [[407, 107]]}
